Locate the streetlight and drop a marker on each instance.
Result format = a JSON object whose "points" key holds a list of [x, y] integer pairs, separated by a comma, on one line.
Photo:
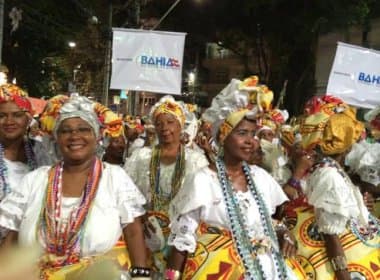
{"points": [[167, 13], [191, 78], [72, 86], [72, 44]]}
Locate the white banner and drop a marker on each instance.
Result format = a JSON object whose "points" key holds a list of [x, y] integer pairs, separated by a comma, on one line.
{"points": [[144, 60], [355, 76]]}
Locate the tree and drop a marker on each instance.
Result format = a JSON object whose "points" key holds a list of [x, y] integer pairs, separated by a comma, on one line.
{"points": [[281, 36], [290, 32], [32, 52]]}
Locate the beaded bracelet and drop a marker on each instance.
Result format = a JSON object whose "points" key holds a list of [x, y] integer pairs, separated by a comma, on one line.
{"points": [[136, 271], [172, 274], [293, 182]]}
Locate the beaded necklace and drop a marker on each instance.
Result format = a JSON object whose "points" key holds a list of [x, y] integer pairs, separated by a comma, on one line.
{"points": [[246, 250], [31, 162], [159, 201], [63, 240], [364, 234]]}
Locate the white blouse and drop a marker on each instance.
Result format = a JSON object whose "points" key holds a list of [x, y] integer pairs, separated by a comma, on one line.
{"points": [[201, 199], [16, 170], [116, 204], [336, 200]]}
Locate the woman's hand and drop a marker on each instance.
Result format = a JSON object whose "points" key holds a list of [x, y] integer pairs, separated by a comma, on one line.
{"points": [[148, 227], [288, 243], [204, 143], [291, 192]]}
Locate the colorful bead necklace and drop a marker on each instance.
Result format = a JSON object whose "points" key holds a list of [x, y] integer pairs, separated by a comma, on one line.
{"points": [[31, 162], [160, 202], [246, 250], [63, 240]]}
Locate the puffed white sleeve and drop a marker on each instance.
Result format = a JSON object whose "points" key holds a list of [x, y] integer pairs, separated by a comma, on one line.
{"points": [[130, 201], [186, 210], [183, 231], [334, 198], [131, 165], [137, 167], [13, 206], [195, 161]]}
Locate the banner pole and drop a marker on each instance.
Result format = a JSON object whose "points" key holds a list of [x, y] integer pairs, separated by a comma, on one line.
{"points": [[166, 14], [107, 59]]}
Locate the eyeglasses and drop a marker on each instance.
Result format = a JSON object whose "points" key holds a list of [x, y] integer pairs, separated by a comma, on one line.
{"points": [[80, 131]]}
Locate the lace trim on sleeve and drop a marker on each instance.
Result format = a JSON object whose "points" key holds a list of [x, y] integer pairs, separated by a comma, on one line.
{"points": [[183, 231]]}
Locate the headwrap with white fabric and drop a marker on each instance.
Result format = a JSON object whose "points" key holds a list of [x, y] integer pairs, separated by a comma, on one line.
{"points": [[100, 118], [168, 105], [104, 122], [191, 123], [227, 110], [78, 107]]}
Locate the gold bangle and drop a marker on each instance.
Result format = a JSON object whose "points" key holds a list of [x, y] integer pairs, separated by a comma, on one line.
{"points": [[339, 263]]}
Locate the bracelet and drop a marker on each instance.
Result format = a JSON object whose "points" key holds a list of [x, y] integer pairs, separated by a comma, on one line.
{"points": [[136, 271], [293, 182], [172, 274], [339, 263]]}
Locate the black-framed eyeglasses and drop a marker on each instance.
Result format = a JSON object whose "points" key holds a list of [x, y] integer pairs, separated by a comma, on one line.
{"points": [[81, 131]]}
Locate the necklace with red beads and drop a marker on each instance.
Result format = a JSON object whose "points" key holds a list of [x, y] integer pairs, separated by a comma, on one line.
{"points": [[63, 239]]}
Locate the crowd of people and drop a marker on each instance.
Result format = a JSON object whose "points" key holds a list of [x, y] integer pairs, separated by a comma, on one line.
{"points": [[238, 191]]}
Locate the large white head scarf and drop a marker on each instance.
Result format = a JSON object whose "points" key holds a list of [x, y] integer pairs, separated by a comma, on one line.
{"points": [[78, 107]]}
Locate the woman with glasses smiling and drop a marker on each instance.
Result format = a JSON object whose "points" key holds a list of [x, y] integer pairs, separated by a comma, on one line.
{"points": [[78, 208]]}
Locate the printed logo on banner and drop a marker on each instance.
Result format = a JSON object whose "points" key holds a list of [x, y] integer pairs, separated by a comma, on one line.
{"points": [[145, 60], [355, 76], [371, 79], [159, 62]]}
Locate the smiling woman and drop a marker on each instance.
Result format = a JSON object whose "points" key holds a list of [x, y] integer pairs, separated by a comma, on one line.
{"points": [[78, 208], [77, 140], [160, 171], [16, 151], [225, 210]]}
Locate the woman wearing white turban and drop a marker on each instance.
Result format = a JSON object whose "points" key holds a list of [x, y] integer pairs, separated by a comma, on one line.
{"points": [[78, 208]]}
